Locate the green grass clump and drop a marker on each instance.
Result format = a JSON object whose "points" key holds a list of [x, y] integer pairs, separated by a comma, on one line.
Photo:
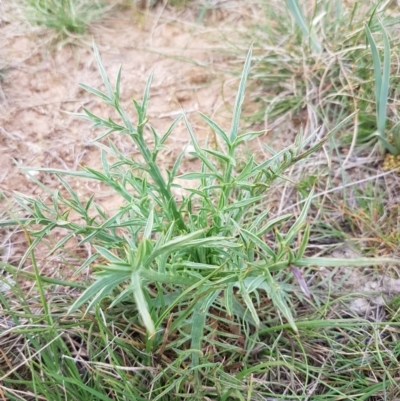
{"points": [[327, 61], [65, 16], [178, 3]]}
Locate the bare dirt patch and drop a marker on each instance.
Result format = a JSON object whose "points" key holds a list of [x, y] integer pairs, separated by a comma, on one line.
{"points": [[40, 88]]}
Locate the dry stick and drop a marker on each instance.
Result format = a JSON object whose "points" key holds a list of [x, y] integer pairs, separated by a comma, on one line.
{"points": [[25, 361], [322, 129], [2, 395], [355, 133], [309, 126], [320, 88], [156, 22], [161, 350], [109, 367], [327, 181], [283, 195], [342, 187]]}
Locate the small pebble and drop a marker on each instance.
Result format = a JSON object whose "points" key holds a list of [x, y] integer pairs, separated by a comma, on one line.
{"points": [[190, 149]]}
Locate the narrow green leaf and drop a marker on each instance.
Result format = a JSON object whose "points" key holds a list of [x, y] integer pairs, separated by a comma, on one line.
{"points": [[138, 107], [257, 241], [175, 168], [272, 223], [239, 98], [247, 137], [199, 152], [96, 93], [124, 294], [297, 226], [198, 323], [104, 163], [183, 242], [106, 254], [174, 244], [99, 289], [278, 298], [198, 176], [87, 389], [111, 268], [243, 203], [141, 303], [250, 306], [208, 301], [144, 251], [384, 92], [149, 225], [275, 158], [118, 84], [168, 278], [295, 9], [216, 128], [146, 94], [338, 262], [170, 129], [103, 73], [32, 276], [376, 62], [246, 171], [251, 284], [304, 242], [260, 368], [228, 299], [221, 156], [194, 265], [242, 312]]}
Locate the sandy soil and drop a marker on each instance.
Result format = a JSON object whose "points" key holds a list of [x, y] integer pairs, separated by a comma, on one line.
{"points": [[40, 87]]}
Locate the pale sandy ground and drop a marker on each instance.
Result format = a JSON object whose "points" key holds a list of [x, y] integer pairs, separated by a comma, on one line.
{"points": [[41, 86]]}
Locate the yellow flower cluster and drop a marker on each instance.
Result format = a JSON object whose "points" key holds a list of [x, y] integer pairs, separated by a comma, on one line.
{"points": [[391, 162]]}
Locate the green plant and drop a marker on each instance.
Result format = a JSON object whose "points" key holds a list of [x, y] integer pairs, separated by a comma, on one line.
{"points": [[65, 16], [382, 82], [178, 3], [319, 68], [295, 9], [185, 267]]}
